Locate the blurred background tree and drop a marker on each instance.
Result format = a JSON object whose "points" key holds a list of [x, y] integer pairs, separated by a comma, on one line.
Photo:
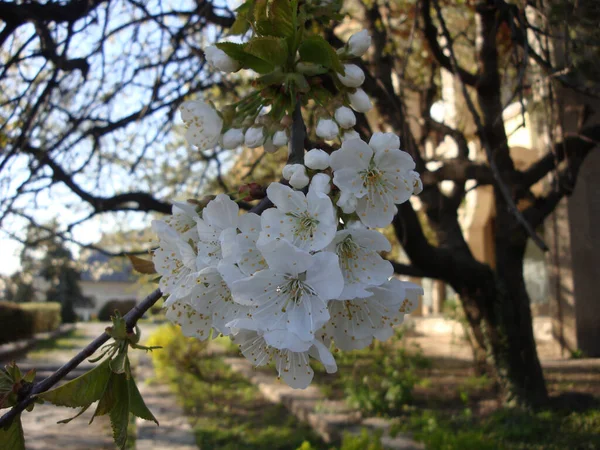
{"points": [[90, 90]]}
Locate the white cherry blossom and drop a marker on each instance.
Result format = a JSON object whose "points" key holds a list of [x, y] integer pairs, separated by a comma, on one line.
{"points": [[361, 265], [203, 124], [378, 177], [308, 222], [218, 59], [293, 367], [292, 293], [355, 322], [219, 215], [349, 135]]}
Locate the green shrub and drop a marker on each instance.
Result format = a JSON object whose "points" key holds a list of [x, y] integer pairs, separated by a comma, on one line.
{"points": [[46, 315], [23, 320], [108, 310], [382, 378]]}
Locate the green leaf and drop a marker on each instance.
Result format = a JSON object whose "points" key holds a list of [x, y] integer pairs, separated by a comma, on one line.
{"points": [[275, 18], [120, 363], [240, 26], [12, 437], [84, 409], [137, 404], [248, 61], [242, 23], [119, 413], [317, 50], [271, 49], [108, 399], [83, 390]]}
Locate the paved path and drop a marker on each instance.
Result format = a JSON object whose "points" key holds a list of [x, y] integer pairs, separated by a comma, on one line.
{"points": [[43, 433]]}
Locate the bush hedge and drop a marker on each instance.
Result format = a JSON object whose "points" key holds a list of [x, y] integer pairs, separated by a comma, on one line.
{"points": [[123, 306], [23, 320]]}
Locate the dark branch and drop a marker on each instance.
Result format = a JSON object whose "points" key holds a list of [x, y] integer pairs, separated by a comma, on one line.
{"points": [[431, 35]]}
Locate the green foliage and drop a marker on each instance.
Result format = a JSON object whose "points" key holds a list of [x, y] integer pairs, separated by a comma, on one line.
{"points": [[380, 379], [46, 316], [317, 50], [247, 60], [82, 391], [12, 437], [506, 429], [110, 383], [271, 49], [22, 321], [109, 308], [228, 411], [363, 441]]}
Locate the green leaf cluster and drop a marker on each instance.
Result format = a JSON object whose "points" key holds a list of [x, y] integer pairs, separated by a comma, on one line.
{"points": [[110, 383]]}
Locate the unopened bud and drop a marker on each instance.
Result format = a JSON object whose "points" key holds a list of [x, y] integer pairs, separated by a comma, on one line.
{"points": [[253, 191]]}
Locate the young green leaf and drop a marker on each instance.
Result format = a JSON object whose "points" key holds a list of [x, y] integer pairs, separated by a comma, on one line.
{"points": [[137, 404], [120, 363], [11, 437], [271, 49], [119, 413], [275, 18], [108, 399], [83, 390], [317, 50], [248, 61]]}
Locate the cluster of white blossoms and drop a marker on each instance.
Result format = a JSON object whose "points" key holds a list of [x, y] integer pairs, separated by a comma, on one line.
{"points": [[307, 273]]}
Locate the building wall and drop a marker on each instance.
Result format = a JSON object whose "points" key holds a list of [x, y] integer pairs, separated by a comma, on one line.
{"points": [[103, 291]]}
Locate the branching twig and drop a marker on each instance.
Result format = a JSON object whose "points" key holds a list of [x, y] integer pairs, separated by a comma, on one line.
{"points": [[484, 141], [131, 319]]}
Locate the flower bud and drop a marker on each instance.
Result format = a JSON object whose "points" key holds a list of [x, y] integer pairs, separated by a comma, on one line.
{"points": [[327, 129], [299, 179], [360, 101], [349, 135], [232, 138], [321, 183], [254, 137], [254, 191], [353, 76], [280, 138], [359, 43], [345, 117], [218, 59], [269, 147], [289, 169], [316, 159]]}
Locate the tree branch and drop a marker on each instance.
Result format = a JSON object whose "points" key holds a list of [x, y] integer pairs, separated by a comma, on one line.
{"points": [[131, 319], [430, 32]]}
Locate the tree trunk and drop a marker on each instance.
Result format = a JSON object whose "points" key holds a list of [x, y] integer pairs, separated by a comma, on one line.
{"points": [[499, 314]]}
